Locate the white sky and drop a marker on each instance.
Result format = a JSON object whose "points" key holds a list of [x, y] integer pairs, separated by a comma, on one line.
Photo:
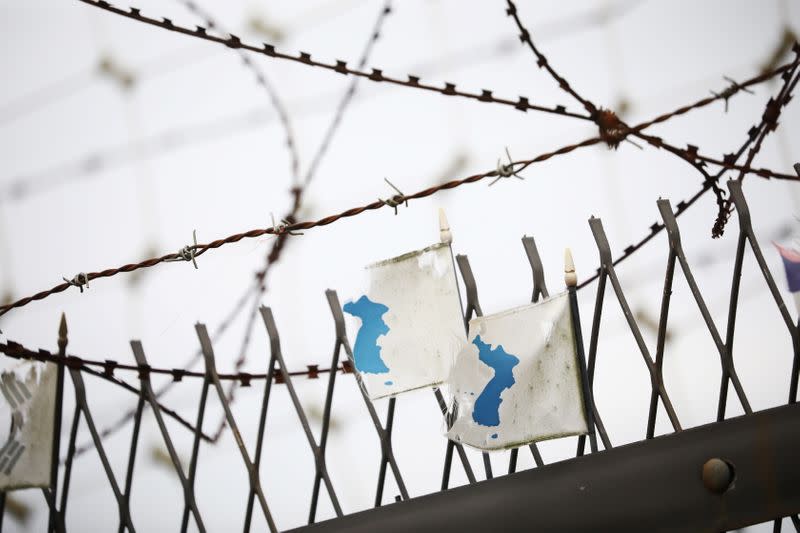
{"points": [[658, 56]]}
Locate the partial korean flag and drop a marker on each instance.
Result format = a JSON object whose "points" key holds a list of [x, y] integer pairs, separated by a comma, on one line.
{"points": [[408, 326], [27, 406], [518, 379]]}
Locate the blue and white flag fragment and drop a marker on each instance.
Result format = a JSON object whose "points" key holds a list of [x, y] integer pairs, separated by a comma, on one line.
{"points": [[409, 323], [27, 406], [517, 380]]}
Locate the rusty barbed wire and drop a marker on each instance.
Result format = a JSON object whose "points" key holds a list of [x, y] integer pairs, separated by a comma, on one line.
{"points": [[297, 226], [756, 136], [613, 130], [541, 60], [682, 206], [725, 95], [106, 369], [559, 28], [18, 351], [200, 249], [304, 58], [27, 184]]}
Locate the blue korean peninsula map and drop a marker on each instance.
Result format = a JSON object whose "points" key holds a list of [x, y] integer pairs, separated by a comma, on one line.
{"points": [[487, 407], [366, 352]]}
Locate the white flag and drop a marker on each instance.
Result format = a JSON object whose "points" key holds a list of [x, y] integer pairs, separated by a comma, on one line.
{"points": [[27, 405], [409, 323], [518, 379]]}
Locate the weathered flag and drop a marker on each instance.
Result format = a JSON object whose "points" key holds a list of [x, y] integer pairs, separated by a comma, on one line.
{"points": [[408, 325], [791, 263], [518, 379], [27, 406]]}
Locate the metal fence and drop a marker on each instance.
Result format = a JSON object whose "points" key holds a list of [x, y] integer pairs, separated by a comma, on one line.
{"points": [[780, 497]]}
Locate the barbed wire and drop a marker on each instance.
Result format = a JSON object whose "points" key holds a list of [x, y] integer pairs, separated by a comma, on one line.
{"points": [[284, 229], [710, 182], [756, 136], [525, 38], [304, 58], [558, 28], [611, 131], [23, 185], [299, 226], [106, 369], [18, 351]]}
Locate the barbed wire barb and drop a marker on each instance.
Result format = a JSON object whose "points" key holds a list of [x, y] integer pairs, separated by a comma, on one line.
{"points": [[505, 171], [397, 200], [80, 280], [187, 253], [730, 91]]}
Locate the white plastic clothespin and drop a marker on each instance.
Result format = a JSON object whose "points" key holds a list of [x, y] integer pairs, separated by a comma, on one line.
{"points": [[570, 278], [445, 236]]}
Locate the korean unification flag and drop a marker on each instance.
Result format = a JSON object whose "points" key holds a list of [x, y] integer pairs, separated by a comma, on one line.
{"points": [[408, 326], [517, 379], [27, 406]]}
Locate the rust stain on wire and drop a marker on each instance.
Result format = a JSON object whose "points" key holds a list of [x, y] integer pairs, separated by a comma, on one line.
{"points": [[107, 368]]}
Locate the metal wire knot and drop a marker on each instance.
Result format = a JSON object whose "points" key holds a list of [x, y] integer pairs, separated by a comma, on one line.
{"points": [[396, 200], [279, 229], [505, 171], [79, 280], [730, 91], [188, 252]]}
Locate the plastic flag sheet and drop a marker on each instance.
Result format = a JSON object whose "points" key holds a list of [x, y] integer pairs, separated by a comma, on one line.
{"points": [[408, 325], [517, 380], [26, 414]]}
